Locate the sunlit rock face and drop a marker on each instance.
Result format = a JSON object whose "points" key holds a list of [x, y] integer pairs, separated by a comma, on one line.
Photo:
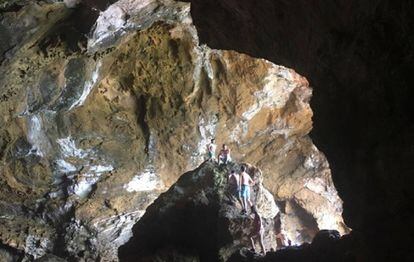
{"points": [[358, 57], [93, 130]]}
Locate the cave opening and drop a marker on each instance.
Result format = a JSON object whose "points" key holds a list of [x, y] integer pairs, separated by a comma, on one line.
{"points": [[107, 105], [357, 56]]}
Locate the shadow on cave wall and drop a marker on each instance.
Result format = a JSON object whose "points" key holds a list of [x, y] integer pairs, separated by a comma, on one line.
{"points": [[358, 56]]}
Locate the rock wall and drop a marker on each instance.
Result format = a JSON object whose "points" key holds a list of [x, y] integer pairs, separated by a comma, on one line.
{"points": [[100, 114], [197, 219], [358, 57]]}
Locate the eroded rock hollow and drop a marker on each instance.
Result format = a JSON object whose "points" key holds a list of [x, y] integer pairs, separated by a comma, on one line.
{"points": [[103, 111]]}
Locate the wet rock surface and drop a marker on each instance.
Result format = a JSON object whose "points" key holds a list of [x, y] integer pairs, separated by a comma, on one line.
{"points": [[103, 111]]}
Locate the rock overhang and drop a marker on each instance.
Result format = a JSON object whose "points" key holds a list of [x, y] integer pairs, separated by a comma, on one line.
{"points": [[151, 99]]}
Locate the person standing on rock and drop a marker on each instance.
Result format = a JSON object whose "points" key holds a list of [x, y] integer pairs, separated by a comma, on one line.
{"points": [[245, 181], [211, 150], [224, 155], [233, 182], [257, 231]]}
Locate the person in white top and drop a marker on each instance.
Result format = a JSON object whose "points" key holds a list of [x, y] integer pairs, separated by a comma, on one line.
{"points": [[211, 150], [245, 182]]}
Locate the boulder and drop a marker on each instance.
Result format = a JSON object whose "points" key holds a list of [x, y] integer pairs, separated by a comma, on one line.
{"points": [[196, 217]]}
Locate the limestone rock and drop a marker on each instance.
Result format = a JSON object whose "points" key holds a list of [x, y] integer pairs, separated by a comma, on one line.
{"points": [[93, 130]]}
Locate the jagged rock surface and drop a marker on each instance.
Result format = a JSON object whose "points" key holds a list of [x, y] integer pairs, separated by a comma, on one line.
{"points": [[97, 121], [197, 218], [358, 56]]}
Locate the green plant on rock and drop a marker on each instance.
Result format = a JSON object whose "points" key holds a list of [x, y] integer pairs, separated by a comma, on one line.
{"points": [[220, 180]]}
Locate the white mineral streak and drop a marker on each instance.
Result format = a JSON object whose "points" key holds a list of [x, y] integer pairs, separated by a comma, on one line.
{"points": [[65, 167], [36, 136], [34, 133], [310, 162], [111, 20], [80, 158], [69, 148], [145, 181], [152, 150], [207, 61], [207, 131], [36, 246], [115, 231], [202, 62], [280, 128], [87, 87], [275, 92], [198, 57], [84, 186], [100, 169], [314, 159], [239, 131], [278, 86], [127, 15]]}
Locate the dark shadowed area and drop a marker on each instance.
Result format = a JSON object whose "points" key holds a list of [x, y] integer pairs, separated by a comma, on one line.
{"points": [[358, 56]]}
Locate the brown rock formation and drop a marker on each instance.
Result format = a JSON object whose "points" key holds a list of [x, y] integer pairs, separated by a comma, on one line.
{"points": [[93, 130]]}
